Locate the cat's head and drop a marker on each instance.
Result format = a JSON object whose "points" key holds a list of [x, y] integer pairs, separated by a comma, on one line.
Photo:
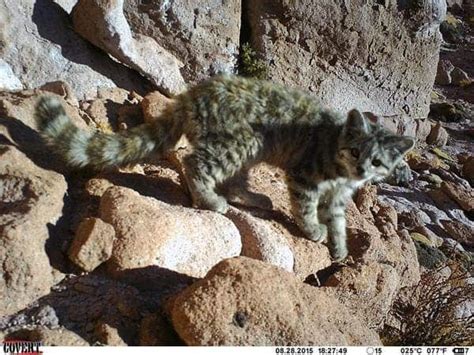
{"points": [[367, 151]]}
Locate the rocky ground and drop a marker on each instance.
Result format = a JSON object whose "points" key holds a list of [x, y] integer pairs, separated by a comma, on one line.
{"points": [[121, 258]]}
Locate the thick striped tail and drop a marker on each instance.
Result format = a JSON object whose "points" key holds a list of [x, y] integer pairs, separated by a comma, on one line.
{"points": [[96, 149]]}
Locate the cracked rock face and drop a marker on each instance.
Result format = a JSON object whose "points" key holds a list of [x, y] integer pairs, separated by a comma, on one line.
{"points": [[203, 35], [40, 46], [377, 56], [104, 25]]}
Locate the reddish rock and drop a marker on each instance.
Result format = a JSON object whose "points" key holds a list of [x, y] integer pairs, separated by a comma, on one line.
{"points": [[310, 257], [31, 199], [367, 290], [366, 244], [253, 303], [468, 170], [153, 105], [386, 220], [62, 89], [261, 241], [93, 244], [153, 233], [463, 196], [156, 330], [108, 335], [460, 232]]}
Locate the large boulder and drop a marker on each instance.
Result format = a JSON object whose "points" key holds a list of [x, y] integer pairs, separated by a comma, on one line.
{"points": [[204, 35], [38, 43], [378, 56], [31, 202], [153, 233], [103, 23], [243, 301]]}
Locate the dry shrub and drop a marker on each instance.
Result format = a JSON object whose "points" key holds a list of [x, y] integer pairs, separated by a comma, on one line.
{"points": [[434, 315]]}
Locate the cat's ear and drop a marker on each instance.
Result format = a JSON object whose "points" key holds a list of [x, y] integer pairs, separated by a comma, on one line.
{"points": [[356, 123], [402, 145]]}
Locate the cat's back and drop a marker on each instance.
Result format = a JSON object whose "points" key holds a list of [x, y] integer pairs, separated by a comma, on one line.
{"points": [[251, 100]]}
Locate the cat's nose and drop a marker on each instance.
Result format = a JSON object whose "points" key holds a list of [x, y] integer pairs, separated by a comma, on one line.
{"points": [[360, 170]]}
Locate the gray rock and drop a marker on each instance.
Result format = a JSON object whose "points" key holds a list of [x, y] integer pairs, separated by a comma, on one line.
{"points": [[104, 25], [337, 51], [204, 35], [39, 44], [443, 73], [438, 136], [8, 80], [459, 76]]}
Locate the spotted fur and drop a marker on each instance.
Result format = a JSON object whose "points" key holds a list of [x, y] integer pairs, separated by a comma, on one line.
{"points": [[233, 123]]}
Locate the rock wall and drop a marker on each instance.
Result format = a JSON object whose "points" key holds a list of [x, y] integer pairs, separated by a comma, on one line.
{"points": [[379, 56], [204, 35]]}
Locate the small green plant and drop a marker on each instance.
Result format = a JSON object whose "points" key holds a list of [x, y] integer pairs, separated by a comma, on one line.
{"points": [[250, 64]]}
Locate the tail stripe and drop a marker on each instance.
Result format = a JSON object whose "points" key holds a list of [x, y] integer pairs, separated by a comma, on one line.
{"points": [[77, 152], [80, 148]]}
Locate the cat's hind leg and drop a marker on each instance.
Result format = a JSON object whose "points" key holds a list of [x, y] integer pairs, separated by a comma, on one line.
{"points": [[213, 161], [237, 191]]}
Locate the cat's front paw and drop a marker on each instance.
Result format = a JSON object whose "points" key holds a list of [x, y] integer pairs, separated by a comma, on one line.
{"points": [[318, 234]]}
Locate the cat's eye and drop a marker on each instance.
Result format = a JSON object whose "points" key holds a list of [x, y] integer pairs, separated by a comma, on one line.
{"points": [[376, 162], [355, 152]]}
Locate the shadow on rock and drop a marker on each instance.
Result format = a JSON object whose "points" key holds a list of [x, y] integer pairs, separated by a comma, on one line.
{"points": [[160, 188], [106, 311], [54, 24]]}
